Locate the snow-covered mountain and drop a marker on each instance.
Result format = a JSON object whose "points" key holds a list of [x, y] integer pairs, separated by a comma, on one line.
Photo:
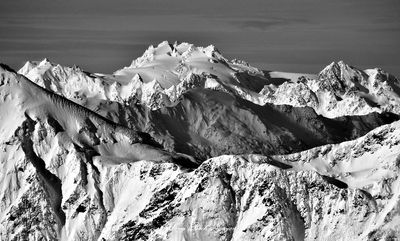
{"points": [[340, 90], [165, 72], [193, 100], [184, 144], [41, 134], [156, 79]]}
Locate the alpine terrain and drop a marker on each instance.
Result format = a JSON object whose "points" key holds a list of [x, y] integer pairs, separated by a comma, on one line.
{"points": [[184, 144]]}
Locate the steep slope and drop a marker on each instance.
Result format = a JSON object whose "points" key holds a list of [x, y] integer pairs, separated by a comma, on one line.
{"points": [[370, 164], [71, 82], [84, 127], [48, 148], [259, 198], [294, 197]]}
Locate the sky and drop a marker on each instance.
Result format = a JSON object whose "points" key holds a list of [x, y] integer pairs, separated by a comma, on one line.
{"points": [[287, 35]]}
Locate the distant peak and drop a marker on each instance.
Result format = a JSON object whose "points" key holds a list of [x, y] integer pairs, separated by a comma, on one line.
{"points": [[179, 50], [211, 48], [334, 64], [166, 43], [28, 66], [337, 68], [166, 47], [45, 61]]}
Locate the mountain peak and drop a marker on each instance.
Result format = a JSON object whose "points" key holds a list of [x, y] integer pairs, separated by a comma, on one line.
{"points": [[342, 73], [336, 67], [45, 62], [178, 51], [28, 66]]}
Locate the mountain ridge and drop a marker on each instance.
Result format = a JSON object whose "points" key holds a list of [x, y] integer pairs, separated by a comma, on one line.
{"points": [[338, 90]]}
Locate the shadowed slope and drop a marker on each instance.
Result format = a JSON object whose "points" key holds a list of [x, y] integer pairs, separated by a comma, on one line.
{"points": [[206, 123]]}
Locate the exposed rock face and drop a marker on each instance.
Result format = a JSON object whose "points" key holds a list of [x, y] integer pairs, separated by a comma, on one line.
{"points": [[136, 169]]}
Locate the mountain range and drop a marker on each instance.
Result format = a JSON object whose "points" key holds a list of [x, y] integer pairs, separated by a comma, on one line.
{"points": [[184, 144]]}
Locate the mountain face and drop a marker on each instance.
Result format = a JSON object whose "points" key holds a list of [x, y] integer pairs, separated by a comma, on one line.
{"points": [[184, 144]]}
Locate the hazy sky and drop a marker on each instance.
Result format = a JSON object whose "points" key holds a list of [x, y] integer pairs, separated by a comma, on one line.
{"points": [[287, 35]]}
